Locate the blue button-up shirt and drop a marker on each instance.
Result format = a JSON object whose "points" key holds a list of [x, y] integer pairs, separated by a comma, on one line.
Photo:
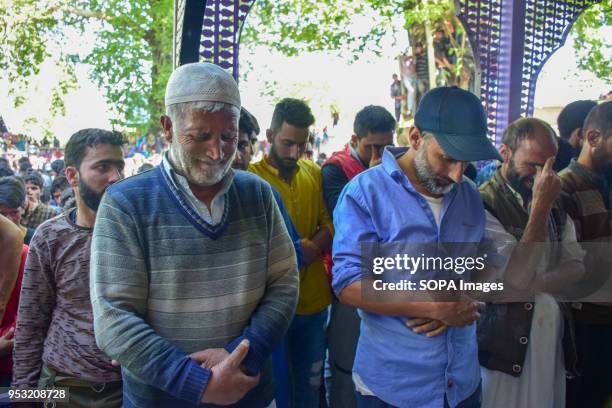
{"points": [[401, 367]]}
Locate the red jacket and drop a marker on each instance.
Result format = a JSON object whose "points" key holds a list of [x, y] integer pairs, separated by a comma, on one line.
{"points": [[351, 167], [10, 317]]}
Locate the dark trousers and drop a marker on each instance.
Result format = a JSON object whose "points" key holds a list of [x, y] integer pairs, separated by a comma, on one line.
{"points": [[593, 386], [83, 394], [473, 401]]}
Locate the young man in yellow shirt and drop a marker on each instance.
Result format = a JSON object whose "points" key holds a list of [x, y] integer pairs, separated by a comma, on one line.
{"points": [[299, 184]]}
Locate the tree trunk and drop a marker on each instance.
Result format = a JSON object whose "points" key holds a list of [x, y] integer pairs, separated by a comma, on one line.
{"points": [[430, 55]]}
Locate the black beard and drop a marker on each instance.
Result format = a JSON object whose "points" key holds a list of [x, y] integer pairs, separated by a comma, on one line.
{"points": [[89, 196], [517, 182], [601, 164], [285, 166]]}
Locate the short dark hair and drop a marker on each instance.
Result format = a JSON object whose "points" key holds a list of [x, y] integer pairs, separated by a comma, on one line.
{"points": [[572, 117], [57, 166], [373, 119], [35, 178], [600, 118], [293, 111], [6, 171], [12, 192], [565, 152], [246, 122], [59, 183], [144, 167], [522, 129], [76, 147], [24, 167]]}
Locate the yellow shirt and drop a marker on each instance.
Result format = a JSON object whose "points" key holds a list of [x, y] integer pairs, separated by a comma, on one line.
{"points": [[303, 198]]}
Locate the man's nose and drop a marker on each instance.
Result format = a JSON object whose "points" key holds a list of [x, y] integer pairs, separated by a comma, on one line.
{"points": [[116, 175], [294, 152], [213, 150], [456, 172]]}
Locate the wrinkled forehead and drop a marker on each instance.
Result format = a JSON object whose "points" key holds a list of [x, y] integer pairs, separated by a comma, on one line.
{"points": [[226, 118]]}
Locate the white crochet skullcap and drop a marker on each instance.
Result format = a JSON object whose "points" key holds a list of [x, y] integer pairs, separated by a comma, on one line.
{"points": [[201, 81]]}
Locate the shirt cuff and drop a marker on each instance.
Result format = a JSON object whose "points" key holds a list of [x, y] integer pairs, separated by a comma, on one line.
{"points": [[341, 279]]}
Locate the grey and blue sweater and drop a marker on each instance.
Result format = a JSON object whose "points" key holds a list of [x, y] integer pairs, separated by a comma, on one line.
{"points": [[164, 284]]}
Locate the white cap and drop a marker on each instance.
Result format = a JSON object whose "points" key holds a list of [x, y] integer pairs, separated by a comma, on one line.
{"points": [[202, 81]]}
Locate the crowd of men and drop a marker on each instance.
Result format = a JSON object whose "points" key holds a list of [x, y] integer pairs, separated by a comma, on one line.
{"points": [[213, 280]]}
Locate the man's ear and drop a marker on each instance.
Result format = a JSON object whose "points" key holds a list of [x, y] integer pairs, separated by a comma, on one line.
{"points": [[354, 140], [72, 175], [578, 133], [415, 138], [505, 152], [591, 136], [269, 135], [166, 124]]}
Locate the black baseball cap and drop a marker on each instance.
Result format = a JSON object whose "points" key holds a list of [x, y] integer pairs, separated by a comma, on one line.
{"points": [[458, 121]]}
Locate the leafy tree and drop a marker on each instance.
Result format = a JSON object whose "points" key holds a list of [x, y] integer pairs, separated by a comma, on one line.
{"points": [[296, 26], [130, 60], [593, 52]]}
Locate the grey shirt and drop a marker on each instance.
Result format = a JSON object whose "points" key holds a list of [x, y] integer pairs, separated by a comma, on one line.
{"points": [[55, 318]]}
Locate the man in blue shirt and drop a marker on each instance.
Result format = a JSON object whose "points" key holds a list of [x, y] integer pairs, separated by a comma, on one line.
{"points": [[416, 353]]}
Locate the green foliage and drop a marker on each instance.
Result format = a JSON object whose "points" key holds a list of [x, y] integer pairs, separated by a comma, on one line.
{"points": [[130, 60], [296, 26], [593, 52]]}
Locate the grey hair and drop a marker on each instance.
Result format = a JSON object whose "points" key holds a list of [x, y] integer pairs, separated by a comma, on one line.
{"points": [[177, 110], [427, 135]]}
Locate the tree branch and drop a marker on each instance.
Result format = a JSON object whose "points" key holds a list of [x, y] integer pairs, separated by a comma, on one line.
{"points": [[86, 13]]}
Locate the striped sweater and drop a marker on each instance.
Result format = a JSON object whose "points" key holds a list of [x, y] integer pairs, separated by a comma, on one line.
{"points": [[165, 283]]}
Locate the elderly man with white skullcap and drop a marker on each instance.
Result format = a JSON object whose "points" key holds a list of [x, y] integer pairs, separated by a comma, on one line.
{"points": [[193, 275]]}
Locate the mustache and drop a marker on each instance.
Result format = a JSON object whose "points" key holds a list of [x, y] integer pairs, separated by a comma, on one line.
{"points": [[210, 162]]}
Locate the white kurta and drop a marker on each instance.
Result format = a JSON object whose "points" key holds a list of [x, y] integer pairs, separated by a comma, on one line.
{"points": [[542, 380]]}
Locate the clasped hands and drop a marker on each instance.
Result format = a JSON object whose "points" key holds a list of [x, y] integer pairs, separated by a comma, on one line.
{"points": [[228, 382], [445, 315]]}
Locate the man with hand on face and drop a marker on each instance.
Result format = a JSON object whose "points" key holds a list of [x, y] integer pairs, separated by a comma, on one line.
{"points": [[54, 339], [416, 196], [299, 184], [570, 121], [373, 130], [194, 277], [522, 344]]}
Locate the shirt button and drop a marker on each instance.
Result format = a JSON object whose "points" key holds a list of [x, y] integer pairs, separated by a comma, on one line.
{"points": [[523, 340], [516, 368], [450, 382], [528, 306]]}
